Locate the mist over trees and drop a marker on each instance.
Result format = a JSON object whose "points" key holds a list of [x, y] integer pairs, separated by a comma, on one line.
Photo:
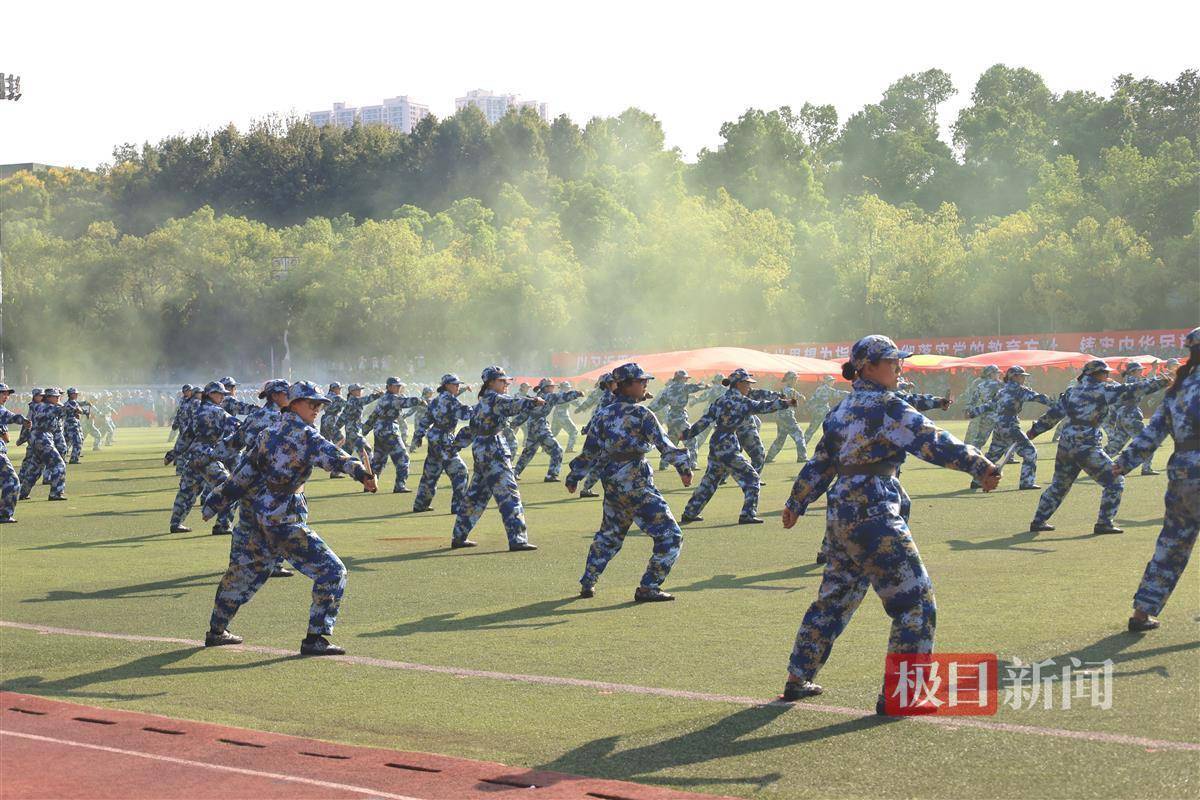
{"points": [[1043, 212]]}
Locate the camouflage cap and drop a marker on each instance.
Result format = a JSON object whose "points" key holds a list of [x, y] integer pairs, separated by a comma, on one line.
{"points": [[1015, 369], [1132, 366], [72, 390], [4, 388], [306, 390], [1095, 367], [631, 372], [187, 387], [739, 375], [35, 392], [53, 391], [991, 369], [354, 387], [827, 378], [1173, 362], [394, 381], [564, 384], [874, 348], [426, 391], [544, 383], [334, 385], [448, 379], [681, 374], [603, 379], [789, 375], [272, 386], [491, 373], [1192, 339], [228, 382], [215, 386]]}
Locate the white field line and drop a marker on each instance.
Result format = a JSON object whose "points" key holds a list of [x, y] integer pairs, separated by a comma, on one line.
{"points": [[219, 767], [629, 688]]}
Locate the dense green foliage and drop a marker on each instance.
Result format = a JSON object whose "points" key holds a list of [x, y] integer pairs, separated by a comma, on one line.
{"points": [[1044, 212]]}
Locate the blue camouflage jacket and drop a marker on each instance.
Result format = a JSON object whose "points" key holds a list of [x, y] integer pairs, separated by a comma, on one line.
{"points": [[1179, 418], [1085, 406], [726, 415], [621, 433], [440, 420]]}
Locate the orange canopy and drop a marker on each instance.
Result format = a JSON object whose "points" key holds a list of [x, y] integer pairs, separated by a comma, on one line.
{"points": [[708, 361], [931, 362], [1027, 359]]}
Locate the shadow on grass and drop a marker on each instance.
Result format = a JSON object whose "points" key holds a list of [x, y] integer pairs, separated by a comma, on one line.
{"points": [[1114, 647], [158, 665], [152, 589], [361, 564], [1014, 541], [728, 737], [535, 615], [728, 581], [127, 541]]}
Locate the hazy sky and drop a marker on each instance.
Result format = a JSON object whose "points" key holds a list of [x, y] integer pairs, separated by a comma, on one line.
{"points": [[98, 74]]}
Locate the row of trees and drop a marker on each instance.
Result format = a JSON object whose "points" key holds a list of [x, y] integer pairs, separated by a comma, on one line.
{"points": [[1045, 211]]}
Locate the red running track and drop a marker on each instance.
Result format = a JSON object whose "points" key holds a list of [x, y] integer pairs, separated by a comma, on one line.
{"points": [[49, 748]]}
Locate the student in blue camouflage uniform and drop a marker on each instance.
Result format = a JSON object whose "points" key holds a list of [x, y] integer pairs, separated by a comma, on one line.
{"points": [[714, 393], [185, 394], [1058, 428], [537, 429], [606, 387], [1178, 417], [1085, 406], [389, 442], [10, 483], [749, 433], [864, 440], [415, 413], [823, 398], [1005, 409], [619, 437], [73, 428], [35, 397], [44, 419], [60, 433], [108, 418], [31, 465], [786, 425], [492, 475], [978, 405], [350, 419], [1128, 420], [725, 451], [331, 415], [272, 474], [438, 424], [274, 393], [207, 425], [560, 420], [232, 405], [673, 402]]}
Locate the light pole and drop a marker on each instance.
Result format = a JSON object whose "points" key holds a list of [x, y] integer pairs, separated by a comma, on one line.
{"points": [[280, 266]]}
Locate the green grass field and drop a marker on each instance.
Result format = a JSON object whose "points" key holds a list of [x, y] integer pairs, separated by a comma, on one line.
{"points": [[104, 562]]}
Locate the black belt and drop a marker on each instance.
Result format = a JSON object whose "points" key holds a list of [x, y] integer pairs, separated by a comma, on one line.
{"points": [[881, 470], [1188, 445], [624, 456]]}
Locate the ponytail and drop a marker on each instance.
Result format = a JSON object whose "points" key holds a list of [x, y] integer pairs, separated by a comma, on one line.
{"points": [[1186, 369], [849, 372]]}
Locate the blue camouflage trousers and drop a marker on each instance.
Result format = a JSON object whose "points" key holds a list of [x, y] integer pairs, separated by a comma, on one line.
{"points": [[814, 425], [718, 468], [1067, 464], [75, 443], [752, 443], [544, 441], [492, 478], [1005, 434], [1127, 425], [979, 429], [10, 487], [355, 441], [251, 565], [1181, 520], [193, 479], [390, 445], [630, 496], [878, 552], [788, 429], [437, 461], [558, 424], [675, 426], [43, 459]]}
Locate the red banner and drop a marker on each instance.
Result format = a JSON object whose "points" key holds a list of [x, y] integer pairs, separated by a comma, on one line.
{"points": [[1164, 343]]}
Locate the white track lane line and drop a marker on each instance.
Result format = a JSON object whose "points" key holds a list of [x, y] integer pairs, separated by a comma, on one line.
{"points": [[219, 767], [629, 688]]}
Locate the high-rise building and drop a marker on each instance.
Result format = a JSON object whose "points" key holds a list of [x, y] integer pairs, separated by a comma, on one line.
{"points": [[399, 113], [495, 106]]}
